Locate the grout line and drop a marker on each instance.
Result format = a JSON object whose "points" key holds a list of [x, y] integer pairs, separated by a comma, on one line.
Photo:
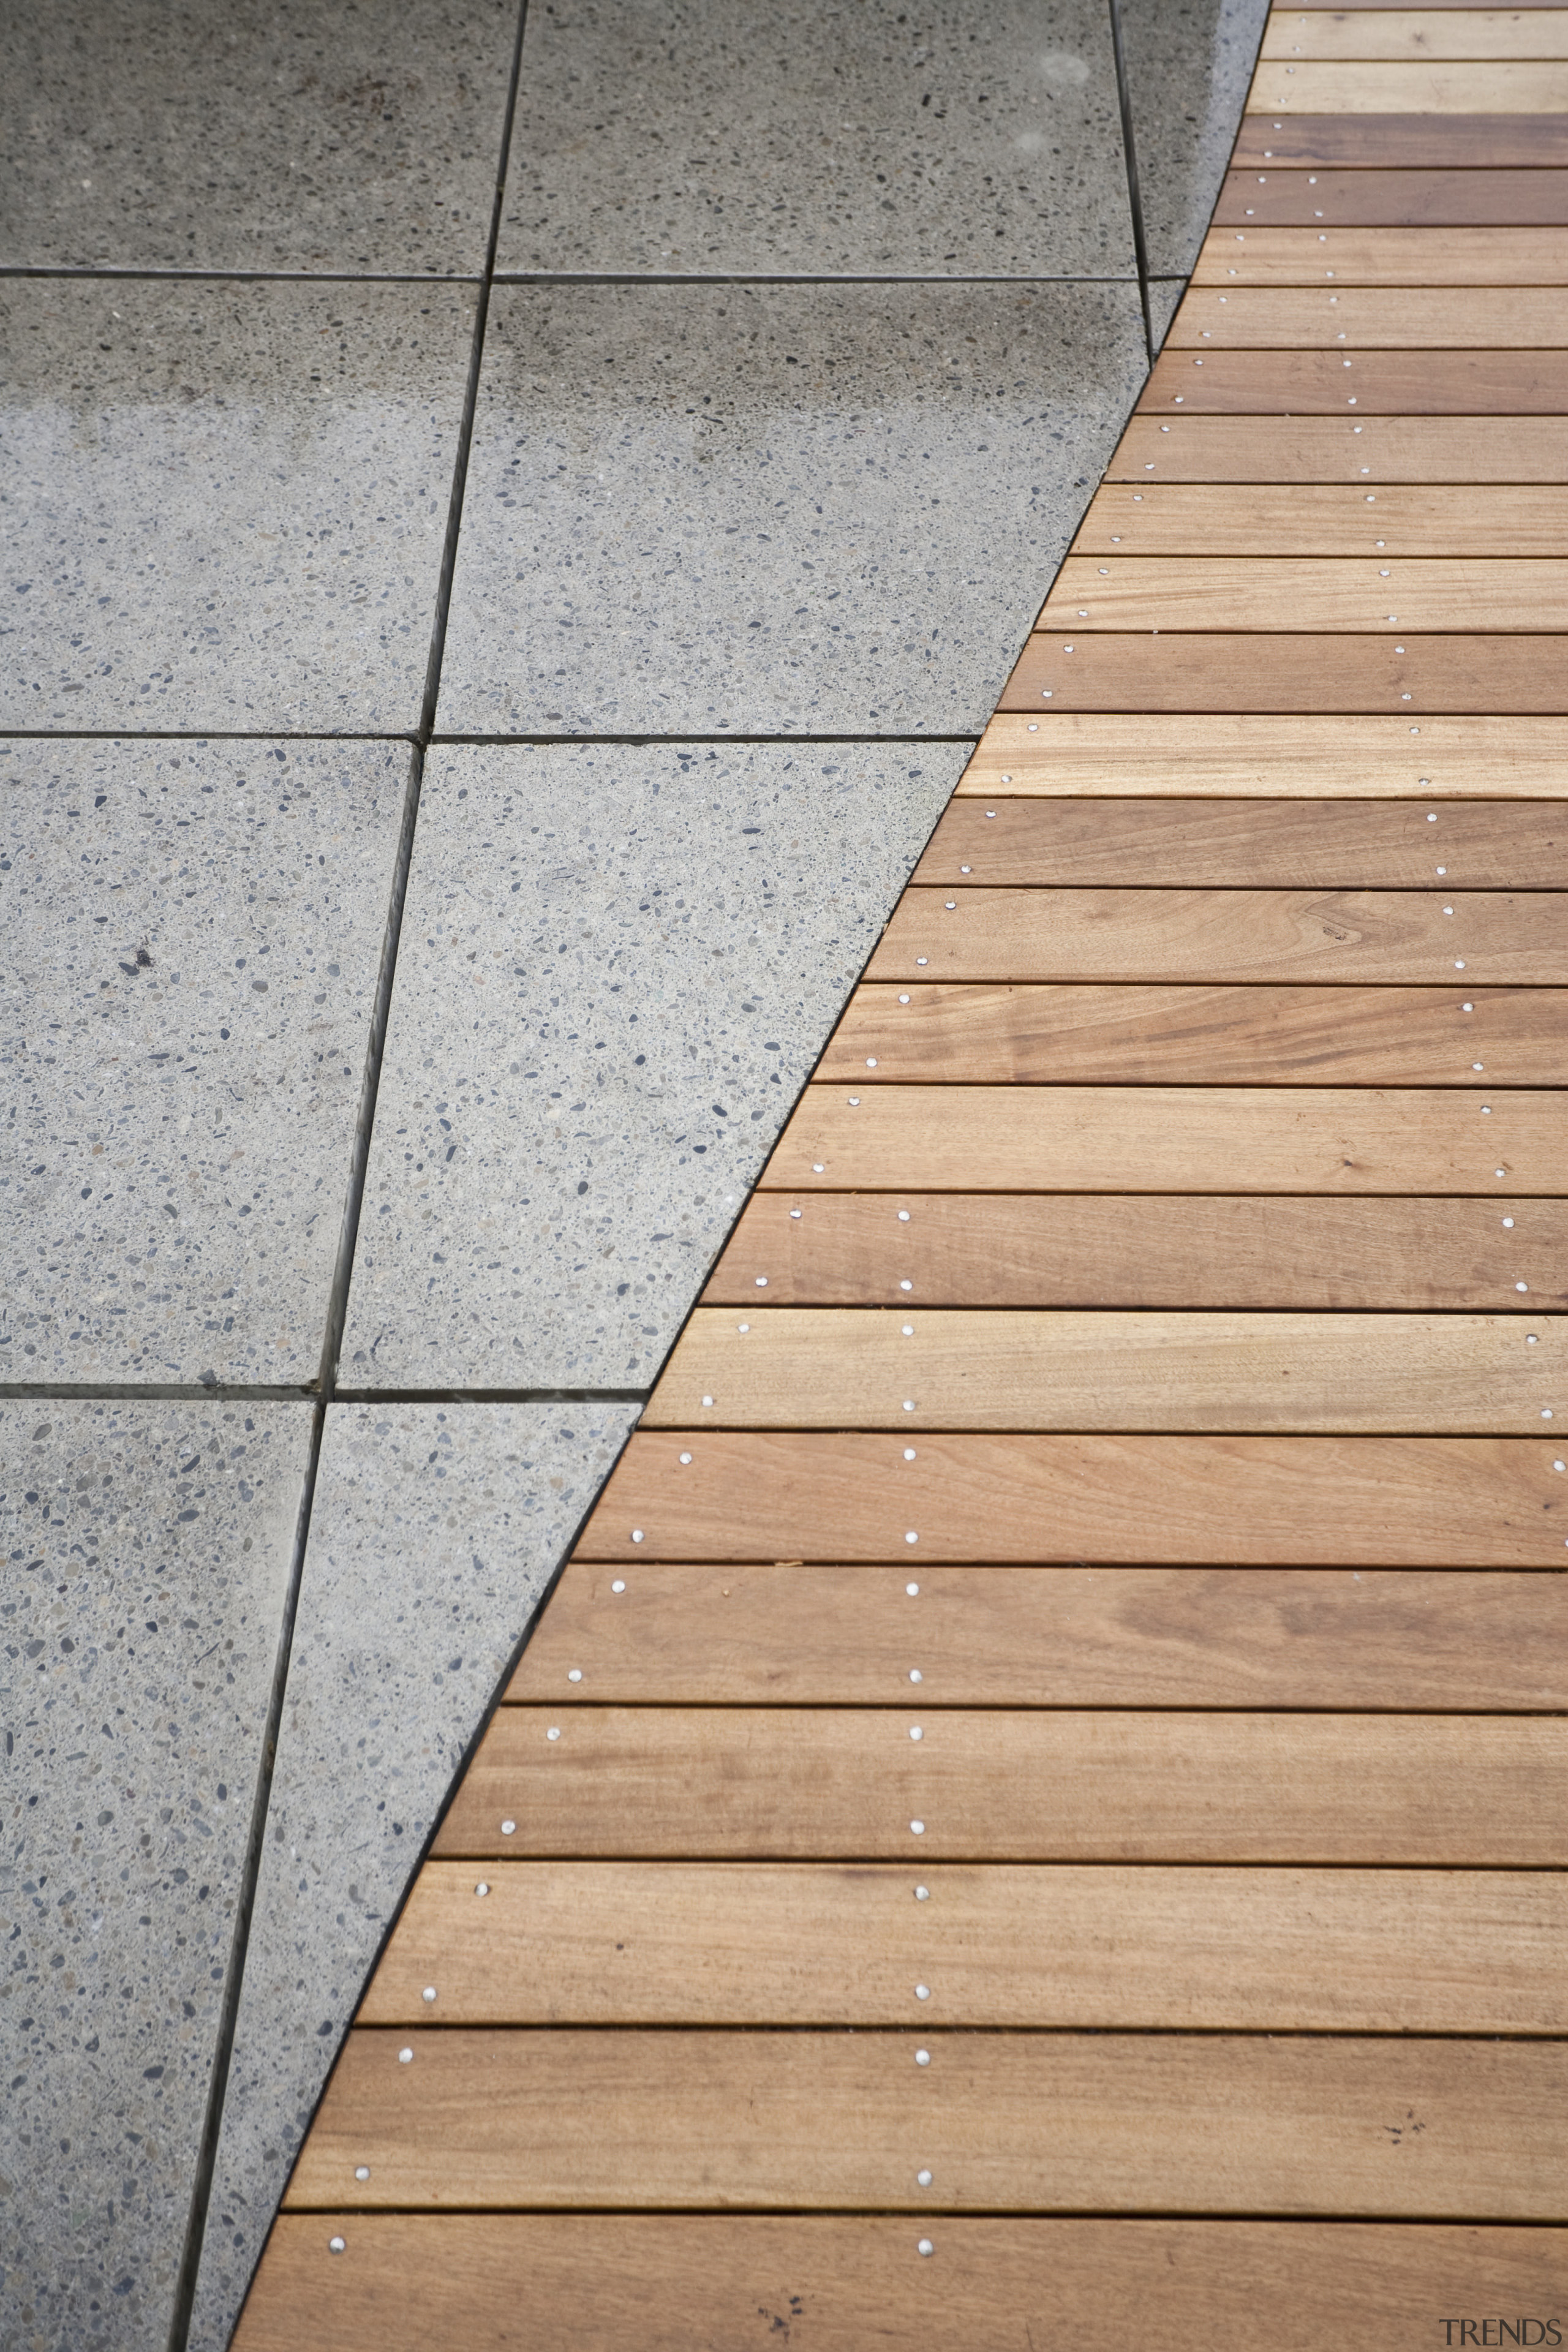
{"points": [[262, 1392], [201, 2193], [569, 276], [1130, 155]]}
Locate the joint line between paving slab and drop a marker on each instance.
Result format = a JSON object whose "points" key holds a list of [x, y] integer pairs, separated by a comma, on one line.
{"points": [[337, 1309], [1129, 158], [262, 1392]]}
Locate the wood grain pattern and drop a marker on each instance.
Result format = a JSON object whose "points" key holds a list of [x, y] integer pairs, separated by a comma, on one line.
{"points": [[1373, 318], [1283, 449], [1062, 1249], [1408, 141], [1298, 756], [997, 1033], [1268, 1951], [1415, 34], [1257, 844], [1388, 384], [1244, 1502], [1196, 2123], [1383, 256], [1432, 937], [1176, 670], [1377, 591], [1276, 197], [691, 1633], [1322, 519], [1523, 87], [598, 2282]]}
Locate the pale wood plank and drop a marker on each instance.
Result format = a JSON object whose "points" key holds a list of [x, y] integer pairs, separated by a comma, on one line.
{"points": [[974, 1249], [1523, 86], [1201, 1950], [1183, 756], [1503, 518], [1366, 318], [1387, 256], [1491, 938], [916, 1368], [1259, 844], [691, 1633], [1193, 2122], [1288, 1502], [1392, 671], [599, 2283], [1390, 384], [1415, 34], [1377, 591]]}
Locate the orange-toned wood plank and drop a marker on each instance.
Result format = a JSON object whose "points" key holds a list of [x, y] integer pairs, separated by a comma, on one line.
{"points": [[1390, 383], [687, 1633], [1311, 1502], [1199, 1949], [1288, 671], [1272, 196], [1158, 518], [1373, 317], [1181, 756], [598, 2282], [1383, 256], [1281, 449], [1376, 590], [1064, 1249], [1196, 2123]]}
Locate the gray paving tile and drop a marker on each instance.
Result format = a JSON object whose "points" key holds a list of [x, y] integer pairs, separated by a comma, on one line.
{"points": [[269, 134], [1165, 302], [146, 1555], [969, 137], [195, 934], [223, 505], [617, 968], [705, 508], [1188, 66], [434, 1533]]}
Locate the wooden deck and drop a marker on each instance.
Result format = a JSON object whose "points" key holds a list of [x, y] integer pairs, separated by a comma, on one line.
{"points": [[1037, 1815]]}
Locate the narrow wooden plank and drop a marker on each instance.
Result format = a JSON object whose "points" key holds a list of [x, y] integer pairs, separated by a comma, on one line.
{"points": [[1497, 674], [1322, 519], [1282, 449], [1244, 1502], [918, 1368], [1301, 756], [1373, 318], [1186, 2123], [600, 2283], [1170, 1139], [1378, 591], [1408, 141], [1387, 384], [1257, 844], [1062, 1249], [997, 1033], [1274, 197], [1492, 938], [1266, 1952], [690, 1634], [1525, 86], [1383, 256], [1415, 34]]}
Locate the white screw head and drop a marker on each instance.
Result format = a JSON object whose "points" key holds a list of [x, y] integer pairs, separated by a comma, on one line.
{"points": [[903, 1216], [915, 1731], [916, 1676], [794, 1213], [912, 1589], [483, 1887], [334, 2245], [906, 1286], [907, 1329], [574, 1675], [909, 1454], [761, 1283], [362, 2172], [707, 1400], [637, 1532], [925, 2247], [428, 1993], [1507, 1221], [923, 2179], [816, 1167], [923, 2057], [1521, 1286], [684, 1457], [554, 1732], [507, 1828], [918, 1828], [923, 1992], [620, 1585], [922, 1893], [406, 2057], [911, 1536]]}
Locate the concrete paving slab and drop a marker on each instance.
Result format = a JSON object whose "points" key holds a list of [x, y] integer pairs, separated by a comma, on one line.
{"points": [[223, 504], [1188, 66], [434, 1534], [967, 138], [617, 969], [196, 933], [269, 134], [1165, 302], [146, 1555], [773, 507]]}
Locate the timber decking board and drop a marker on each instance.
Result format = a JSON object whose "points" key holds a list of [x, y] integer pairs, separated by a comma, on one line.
{"points": [[995, 1034], [598, 2282], [1068, 2122], [1383, 256], [1503, 520], [1249, 845], [1276, 197], [1217, 671], [1388, 384], [1525, 86], [1245, 1502], [1376, 591], [693, 1633], [1372, 318], [1187, 757], [1277, 450], [1266, 1951], [963, 932], [1412, 33], [1058, 1249], [1407, 141], [916, 1368]]}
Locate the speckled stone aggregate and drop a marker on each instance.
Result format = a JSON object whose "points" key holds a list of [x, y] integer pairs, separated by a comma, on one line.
{"points": [[1189, 63]]}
